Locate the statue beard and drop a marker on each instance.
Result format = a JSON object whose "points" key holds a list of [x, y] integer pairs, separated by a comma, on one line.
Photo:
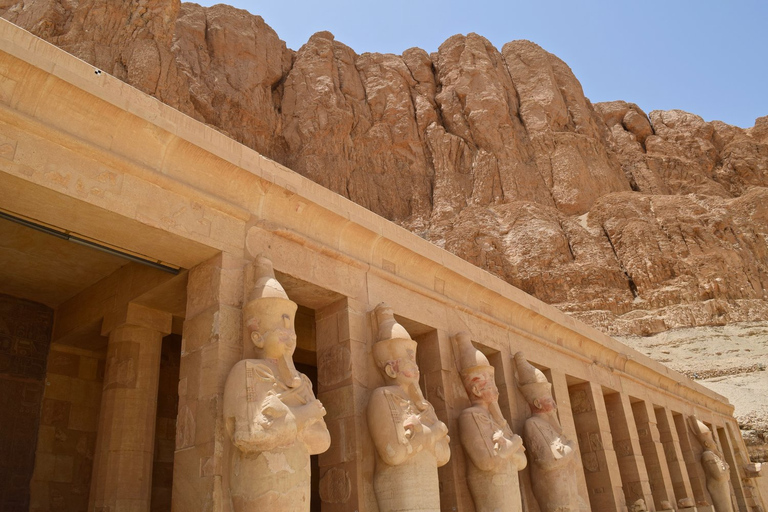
{"points": [[417, 397], [287, 372], [495, 411]]}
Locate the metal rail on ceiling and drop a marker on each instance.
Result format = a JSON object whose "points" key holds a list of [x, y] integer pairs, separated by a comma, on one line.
{"points": [[87, 242]]}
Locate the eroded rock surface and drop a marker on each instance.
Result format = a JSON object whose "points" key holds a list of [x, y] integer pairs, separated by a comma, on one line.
{"points": [[634, 223]]}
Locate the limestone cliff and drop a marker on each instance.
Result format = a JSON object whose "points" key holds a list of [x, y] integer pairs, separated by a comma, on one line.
{"points": [[634, 223]]}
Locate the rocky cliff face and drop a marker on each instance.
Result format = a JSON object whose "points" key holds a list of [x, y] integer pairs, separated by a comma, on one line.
{"points": [[633, 223]]}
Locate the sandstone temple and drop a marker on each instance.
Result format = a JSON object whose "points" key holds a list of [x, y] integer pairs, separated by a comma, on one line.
{"points": [[187, 325]]}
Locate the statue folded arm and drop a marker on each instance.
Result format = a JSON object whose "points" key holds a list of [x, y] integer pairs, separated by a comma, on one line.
{"points": [[489, 448], [443, 451], [439, 432], [397, 434], [258, 420], [511, 447], [715, 467], [477, 438], [309, 417], [388, 429], [548, 452]]}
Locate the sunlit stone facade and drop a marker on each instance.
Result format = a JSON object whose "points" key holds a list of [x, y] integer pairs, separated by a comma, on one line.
{"points": [[115, 371]]}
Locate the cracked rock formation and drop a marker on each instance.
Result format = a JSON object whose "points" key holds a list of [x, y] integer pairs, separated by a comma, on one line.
{"points": [[633, 223]]}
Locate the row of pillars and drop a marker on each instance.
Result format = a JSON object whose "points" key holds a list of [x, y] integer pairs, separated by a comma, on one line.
{"points": [[125, 443], [630, 449]]}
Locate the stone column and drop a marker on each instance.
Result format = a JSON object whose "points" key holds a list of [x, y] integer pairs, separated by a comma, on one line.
{"points": [[653, 452], [596, 446], [751, 490], [125, 442], [678, 472], [691, 457], [565, 414], [211, 345], [444, 390], [632, 457], [512, 403], [515, 409], [343, 366], [737, 487]]}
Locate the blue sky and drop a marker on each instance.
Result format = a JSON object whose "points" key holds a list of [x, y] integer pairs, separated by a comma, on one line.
{"points": [[706, 57]]}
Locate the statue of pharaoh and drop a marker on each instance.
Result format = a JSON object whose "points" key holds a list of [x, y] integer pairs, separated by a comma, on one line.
{"points": [[716, 469], [272, 417], [494, 453], [551, 454], [411, 443]]}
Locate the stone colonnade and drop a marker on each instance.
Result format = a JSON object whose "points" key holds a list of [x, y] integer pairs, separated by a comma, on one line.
{"points": [[85, 152], [634, 441]]}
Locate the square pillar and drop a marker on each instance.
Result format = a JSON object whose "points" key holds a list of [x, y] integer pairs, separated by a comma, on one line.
{"points": [[691, 457], [752, 495], [513, 405], [443, 388], [627, 442], [125, 442], [596, 445], [516, 410], [653, 452], [212, 343], [562, 397], [736, 470], [673, 454], [343, 366]]}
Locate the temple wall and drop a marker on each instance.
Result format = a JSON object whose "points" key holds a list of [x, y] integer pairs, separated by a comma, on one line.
{"points": [[67, 434], [613, 414], [25, 334], [149, 180]]}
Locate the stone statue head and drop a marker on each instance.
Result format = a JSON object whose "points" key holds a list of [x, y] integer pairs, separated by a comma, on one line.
{"points": [[534, 385], [395, 354], [477, 374], [703, 434], [269, 318], [638, 506]]}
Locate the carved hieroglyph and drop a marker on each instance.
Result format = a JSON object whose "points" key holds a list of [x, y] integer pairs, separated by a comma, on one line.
{"points": [[551, 454], [272, 416], [411, 443], [494, 453], [716, 469]]}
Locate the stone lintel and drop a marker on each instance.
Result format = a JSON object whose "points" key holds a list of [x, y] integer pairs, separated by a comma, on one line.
{"points": [[140, 316]]}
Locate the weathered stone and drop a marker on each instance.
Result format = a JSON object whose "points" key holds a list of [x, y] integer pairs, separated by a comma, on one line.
{"points": [[411, 443], [490, 149], [494, 453], [553, 456], [195, 193], [715, 468], [272, 418], [25, 330]]}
